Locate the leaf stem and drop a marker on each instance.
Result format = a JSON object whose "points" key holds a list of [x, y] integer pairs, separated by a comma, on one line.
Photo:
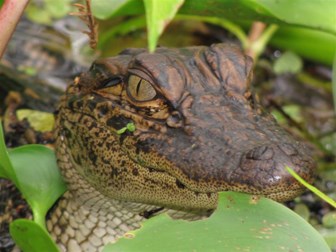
{"points": [[10, 14], [39, 217], [257, 46], [311, 188]]}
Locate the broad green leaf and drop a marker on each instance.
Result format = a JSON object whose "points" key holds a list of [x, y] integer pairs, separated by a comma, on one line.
{"points": [[41, 121], [30, 237], [241, 223], [6, 168], [289, 62], [316, 14], [38, 177], [158, 15], [312, 44], [316, 43]]}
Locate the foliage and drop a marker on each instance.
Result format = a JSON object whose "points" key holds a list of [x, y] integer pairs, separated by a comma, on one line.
{"points": [[289, 62], [33, 169], [294, 17], [241, 223]]}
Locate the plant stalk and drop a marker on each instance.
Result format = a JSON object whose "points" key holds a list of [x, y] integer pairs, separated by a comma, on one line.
{"points": [[10, 14]]}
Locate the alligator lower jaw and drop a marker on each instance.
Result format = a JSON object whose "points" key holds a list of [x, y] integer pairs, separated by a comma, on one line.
{"points": [[282, 196]]}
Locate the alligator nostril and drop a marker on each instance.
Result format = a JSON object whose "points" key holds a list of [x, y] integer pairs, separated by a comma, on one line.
{"points": [[260, 153], [175, 120], [288, 149]]}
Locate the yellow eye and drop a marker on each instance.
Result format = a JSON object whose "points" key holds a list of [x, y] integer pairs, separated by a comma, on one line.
{"points": [[139, 89]]}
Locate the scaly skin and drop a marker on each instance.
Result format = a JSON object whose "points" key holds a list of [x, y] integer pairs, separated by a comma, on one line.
{"points": [[199, 131]]}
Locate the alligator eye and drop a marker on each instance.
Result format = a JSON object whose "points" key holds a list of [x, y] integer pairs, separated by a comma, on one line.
{"points": [[140, 89]]}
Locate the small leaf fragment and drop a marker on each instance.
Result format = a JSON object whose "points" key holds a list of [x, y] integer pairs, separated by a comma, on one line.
{"points": [[289, 62], [129, 126], [40, 121]]}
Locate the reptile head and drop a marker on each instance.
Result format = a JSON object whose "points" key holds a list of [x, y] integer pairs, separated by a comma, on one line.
{"points": [[198, 130]]}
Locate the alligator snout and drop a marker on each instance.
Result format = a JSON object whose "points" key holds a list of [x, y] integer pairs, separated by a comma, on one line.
{"points": [[264, 169]]}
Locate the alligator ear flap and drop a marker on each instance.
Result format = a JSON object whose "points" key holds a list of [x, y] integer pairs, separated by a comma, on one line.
{"points": [[233, 68]]}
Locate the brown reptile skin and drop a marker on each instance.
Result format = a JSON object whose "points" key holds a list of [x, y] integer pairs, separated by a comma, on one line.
{"points": [[198, 131], [85, 221]]}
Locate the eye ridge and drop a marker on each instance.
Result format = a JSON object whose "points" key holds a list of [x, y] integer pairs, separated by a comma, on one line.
{"points": [[112, 81]]}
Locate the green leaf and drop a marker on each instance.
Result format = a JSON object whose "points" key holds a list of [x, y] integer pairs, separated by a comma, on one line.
{"points": [[30, 237], [312, 44], [241, 223], [316, 43], [39, 178], [6, 168], [289, 62], [158, 15], [34, 171], [317, 14]]}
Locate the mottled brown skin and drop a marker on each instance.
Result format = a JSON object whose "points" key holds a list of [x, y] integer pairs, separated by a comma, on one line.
{"points": [[199, 131]]}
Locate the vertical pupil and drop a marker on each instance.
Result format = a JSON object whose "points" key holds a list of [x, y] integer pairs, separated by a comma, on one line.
{"points": [[140, 89], [138, 86]]}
